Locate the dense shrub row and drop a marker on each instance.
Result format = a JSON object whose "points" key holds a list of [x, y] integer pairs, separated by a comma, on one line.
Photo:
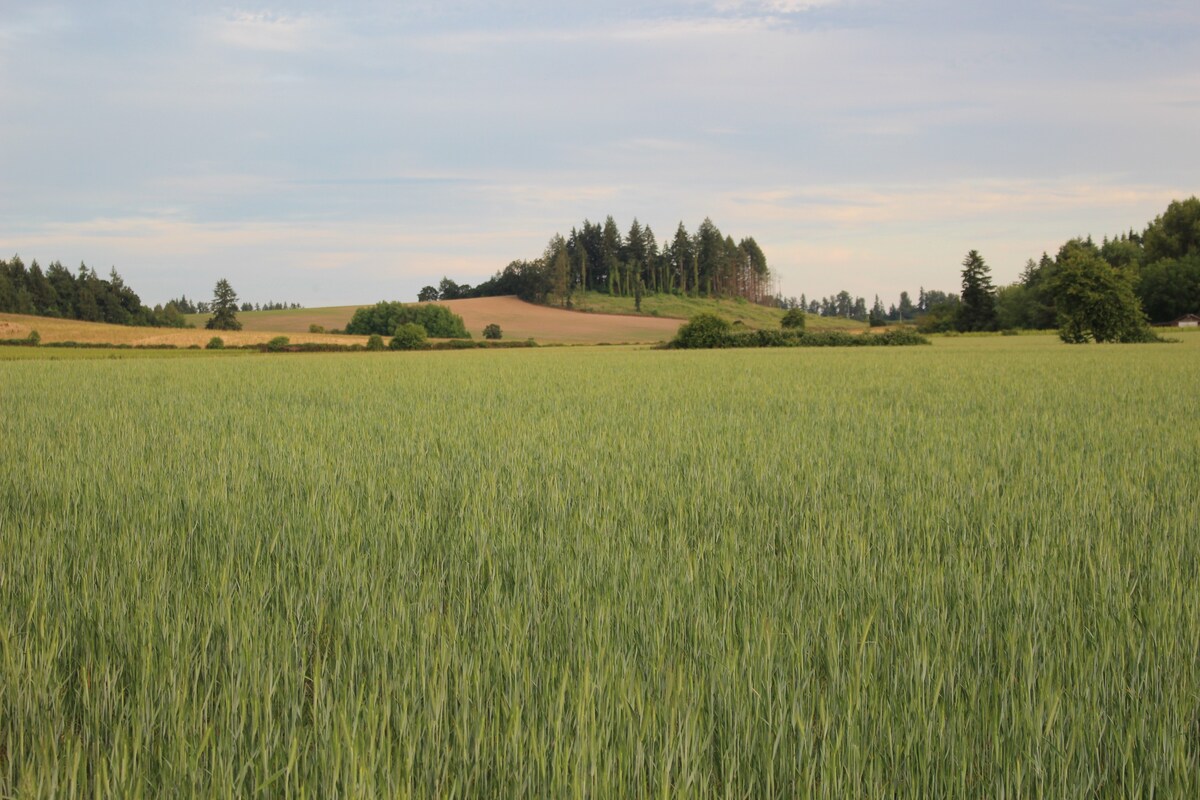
{"points": [[710, 331]]}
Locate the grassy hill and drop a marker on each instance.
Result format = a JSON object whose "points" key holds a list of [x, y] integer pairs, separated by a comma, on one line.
{"points": [[678, 307]]}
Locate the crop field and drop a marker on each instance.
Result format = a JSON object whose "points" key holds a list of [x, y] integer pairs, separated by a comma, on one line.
{"points": [[17, 326], [965, 570]]}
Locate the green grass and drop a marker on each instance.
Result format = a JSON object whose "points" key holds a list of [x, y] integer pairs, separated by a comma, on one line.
{"points": [[963, 570], [683, 307], [45, 353]]}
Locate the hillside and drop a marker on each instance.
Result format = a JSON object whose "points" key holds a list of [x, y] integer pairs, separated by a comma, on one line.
{"points": [[682, 307], [597, 318], [516, 318]]}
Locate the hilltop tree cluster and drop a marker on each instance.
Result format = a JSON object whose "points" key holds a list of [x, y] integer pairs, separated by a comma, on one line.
{"points": [[82, 295], [598, 257]]}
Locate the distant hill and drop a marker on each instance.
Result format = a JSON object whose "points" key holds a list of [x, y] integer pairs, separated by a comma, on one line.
{"points": [[600, 318], [680, 307], [516, 318]]}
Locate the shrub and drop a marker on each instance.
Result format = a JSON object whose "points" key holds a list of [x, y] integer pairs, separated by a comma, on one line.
{"points": [[703, 330], [384, 318], [793, 320], [315, 328], [34, 338], [375, 342], [492, 331], [216, 343], [277, 344], [408, 336]]}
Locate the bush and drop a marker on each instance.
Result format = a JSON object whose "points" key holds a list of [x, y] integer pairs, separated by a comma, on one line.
{"points": [[492, 331], [384, 318], [315, 328], [793, 320], [375, 342], [703, 330], [216, 343], [408, 336], [277, 344]]}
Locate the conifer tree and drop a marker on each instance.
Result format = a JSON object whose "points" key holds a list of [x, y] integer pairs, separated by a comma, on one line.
{"points": [[224, 308], [978, 309]]}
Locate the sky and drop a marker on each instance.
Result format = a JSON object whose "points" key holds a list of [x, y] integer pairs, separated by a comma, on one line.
{"points": [[346, 152]]}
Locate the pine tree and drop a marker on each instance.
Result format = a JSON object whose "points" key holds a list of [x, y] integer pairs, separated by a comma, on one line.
{"points": [[978, 309], [224, 308]]}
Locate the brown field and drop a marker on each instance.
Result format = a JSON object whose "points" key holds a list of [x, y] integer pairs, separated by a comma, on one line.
{"points": [[516, 318], [18, 326], [521, 320]]}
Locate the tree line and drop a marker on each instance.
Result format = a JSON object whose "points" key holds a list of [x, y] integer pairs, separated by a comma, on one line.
{"points": [[82, 295], [846, 306], [187, 306], [598, 257], [1110, 291], [86, 296], [1160, 265]]}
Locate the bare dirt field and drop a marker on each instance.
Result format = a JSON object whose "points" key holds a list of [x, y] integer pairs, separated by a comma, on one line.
{"points": [[521, 320]]}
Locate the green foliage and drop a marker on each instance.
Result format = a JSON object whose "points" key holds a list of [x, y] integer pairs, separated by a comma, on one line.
{"points": [[703, 331], [1176, 233], [1170, 287], [34, 338], [385, 317], [710, 331], [224, 309], [793, 320], [315, 328], [1095, 301], [941, 318], [215, 343], [278, 344], [375, 342], [492, 331], [408, 336]]}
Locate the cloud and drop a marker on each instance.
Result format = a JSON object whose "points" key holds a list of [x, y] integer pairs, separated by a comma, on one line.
{"points": [[773, 6], [269, 32]]}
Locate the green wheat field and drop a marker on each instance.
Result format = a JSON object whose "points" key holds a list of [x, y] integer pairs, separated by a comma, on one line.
{"points": [[965, 570]]}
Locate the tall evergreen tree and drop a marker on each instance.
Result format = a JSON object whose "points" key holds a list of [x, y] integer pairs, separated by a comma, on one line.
{"points": [[681, 251], [224, 308], [977, 311]]}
